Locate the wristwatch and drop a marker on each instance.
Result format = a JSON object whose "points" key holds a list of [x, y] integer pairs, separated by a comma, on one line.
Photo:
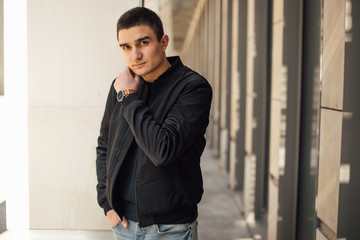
{"points": [[122, 94]]}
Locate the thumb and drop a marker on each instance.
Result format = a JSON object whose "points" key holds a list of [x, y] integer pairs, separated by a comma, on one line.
{"points": [[124, 222], [137, 81]]}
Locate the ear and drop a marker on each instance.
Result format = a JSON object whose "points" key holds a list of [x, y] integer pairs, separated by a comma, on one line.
{"points": [[164, 41]]}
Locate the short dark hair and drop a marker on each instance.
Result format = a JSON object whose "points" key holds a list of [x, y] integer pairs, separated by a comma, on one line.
{"points": [[140, 16]]}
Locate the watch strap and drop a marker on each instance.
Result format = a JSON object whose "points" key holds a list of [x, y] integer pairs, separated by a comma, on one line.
{"points": [[122, 94], [128, 92]]}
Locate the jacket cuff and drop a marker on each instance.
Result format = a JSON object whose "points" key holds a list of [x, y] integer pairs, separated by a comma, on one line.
{"points": [[129, 99], [106, 206]]}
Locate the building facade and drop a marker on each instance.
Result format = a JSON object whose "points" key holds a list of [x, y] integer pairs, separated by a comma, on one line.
{"points": [[285, 112]]}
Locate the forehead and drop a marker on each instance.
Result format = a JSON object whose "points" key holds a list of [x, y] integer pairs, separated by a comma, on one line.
{"points": [[130, 35]]}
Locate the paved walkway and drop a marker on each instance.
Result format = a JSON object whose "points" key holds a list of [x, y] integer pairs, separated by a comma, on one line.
{"points": [[219, 217]]}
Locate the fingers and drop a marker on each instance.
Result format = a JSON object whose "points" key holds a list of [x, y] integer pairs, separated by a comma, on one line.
{"points": [[137, 78], [128, 73], [127, 80], [124, 222], [118, 83], [131, 71], [113, 217]]}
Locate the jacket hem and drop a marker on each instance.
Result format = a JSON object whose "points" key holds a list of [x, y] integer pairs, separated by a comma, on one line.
{"points": [[179, 216]]}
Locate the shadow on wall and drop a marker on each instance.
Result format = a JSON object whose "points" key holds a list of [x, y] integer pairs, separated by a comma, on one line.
{"points": [[2, 217]]}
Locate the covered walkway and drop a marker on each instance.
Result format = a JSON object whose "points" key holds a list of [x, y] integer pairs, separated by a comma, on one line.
{"points": [[219, 213]]}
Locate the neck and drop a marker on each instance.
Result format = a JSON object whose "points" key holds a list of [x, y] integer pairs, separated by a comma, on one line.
{"points": [[162, 68]]}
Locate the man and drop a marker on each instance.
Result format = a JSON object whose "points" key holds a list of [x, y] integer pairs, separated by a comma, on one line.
{"points": [[152, 137]]}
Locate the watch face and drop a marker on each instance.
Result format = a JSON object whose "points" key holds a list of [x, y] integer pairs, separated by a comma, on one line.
{"points": [[120, 95]]}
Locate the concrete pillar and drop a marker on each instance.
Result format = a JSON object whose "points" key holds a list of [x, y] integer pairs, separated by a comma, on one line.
{"points": [[235, 97], [2, 48], [276, 151], [13, 120], [250, 158], [225, 83], [164, 9], [216, 86]]}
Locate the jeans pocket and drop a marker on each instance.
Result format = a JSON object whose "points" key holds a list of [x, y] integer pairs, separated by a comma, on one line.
{"points": [[173, 228], [116, 225]]}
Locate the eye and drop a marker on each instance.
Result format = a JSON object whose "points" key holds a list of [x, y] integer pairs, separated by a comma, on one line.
{"points": [[125, 47], [144, 43]]}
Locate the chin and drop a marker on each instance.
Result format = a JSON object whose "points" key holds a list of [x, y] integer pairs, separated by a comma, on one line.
{"points": [[141, 73], [137, 72]]}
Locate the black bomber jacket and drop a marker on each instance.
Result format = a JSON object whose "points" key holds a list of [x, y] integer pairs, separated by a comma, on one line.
{"points": [[170, 131]]}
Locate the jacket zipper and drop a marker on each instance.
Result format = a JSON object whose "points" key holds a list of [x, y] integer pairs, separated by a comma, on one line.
{"points": [[135, 184], [141, 96], [113, 163]]}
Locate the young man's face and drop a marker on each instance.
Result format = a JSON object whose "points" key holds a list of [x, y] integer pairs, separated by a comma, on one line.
{"points": [[142, 51]]}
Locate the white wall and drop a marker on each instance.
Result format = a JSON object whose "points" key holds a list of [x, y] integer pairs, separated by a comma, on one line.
{"points": [[13, 117], [72, 58]]}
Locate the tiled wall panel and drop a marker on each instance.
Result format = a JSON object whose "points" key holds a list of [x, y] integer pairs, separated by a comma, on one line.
{"points": [[278, 12], [329, 165], [272, 210], [320, 236], [333, 54]]}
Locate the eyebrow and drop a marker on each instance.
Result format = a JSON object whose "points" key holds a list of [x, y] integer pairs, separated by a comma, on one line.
{"points": [[138, 40]]}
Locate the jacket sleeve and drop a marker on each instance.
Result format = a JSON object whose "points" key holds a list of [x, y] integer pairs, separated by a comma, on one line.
{"points": [[101, 151], [187, 120]]}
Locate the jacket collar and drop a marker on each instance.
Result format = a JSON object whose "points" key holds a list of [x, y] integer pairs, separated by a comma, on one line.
{"points": [[175, 63]]}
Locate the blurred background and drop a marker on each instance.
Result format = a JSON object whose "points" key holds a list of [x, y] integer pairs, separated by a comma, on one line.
{"points": [[284, 125]]}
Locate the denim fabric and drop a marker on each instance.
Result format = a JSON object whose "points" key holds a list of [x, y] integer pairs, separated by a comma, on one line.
{"points": [[186, 231]]}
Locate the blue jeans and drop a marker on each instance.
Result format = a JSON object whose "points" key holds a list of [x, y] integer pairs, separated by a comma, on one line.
{"points": [[186, 231]]}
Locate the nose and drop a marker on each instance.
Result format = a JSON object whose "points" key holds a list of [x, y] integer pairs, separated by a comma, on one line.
{"points": [[137, 53]]}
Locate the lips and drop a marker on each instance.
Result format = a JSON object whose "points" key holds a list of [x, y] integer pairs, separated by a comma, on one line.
{"points": [[137, 65]]}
